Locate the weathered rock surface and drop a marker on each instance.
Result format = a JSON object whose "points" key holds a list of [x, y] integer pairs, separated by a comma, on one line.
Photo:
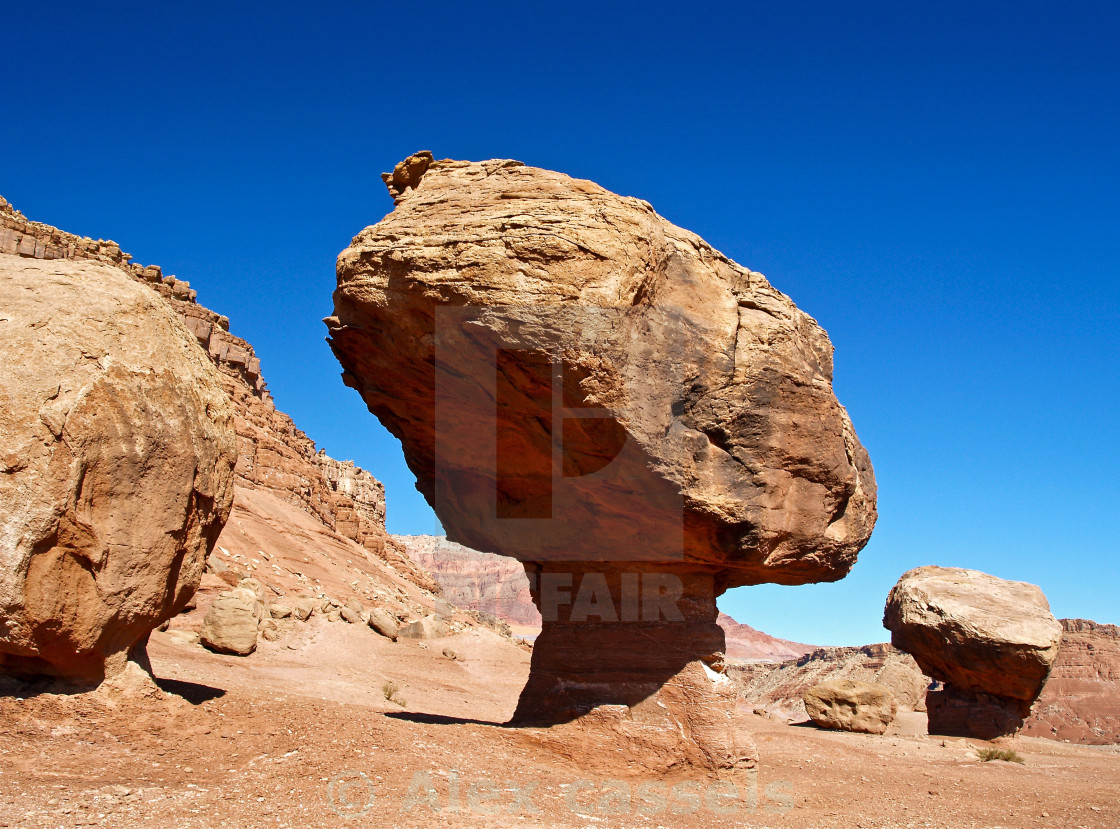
{"points": [[429, 627], [780, 689], [272, 454], [475, 580], [1081, 700], [714, 380], [992, 642], [116, 459], [581, 385], [497, 585], [230, 625], [851, 705], [384, 623]]}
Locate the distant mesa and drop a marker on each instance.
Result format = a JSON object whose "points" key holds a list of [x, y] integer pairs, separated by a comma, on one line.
{"points": [[581, 385]]}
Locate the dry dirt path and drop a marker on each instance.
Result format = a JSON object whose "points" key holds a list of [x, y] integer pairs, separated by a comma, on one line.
{"points": [[303, 737]]}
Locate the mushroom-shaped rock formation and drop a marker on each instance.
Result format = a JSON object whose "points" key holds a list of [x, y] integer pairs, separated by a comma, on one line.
{"points": [[117, 451], [992, 642], [581, 385]]}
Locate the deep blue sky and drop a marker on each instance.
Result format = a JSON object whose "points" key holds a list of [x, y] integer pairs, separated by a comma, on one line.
{"points": [[938, 184]]}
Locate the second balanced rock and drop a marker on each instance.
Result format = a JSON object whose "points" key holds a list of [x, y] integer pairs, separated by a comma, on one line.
{"points": [[582, 385], [992, 642]]}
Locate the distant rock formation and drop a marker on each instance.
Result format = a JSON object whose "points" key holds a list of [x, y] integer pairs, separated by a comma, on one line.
{"points": [[780, 689], [745, 644], [474, 580], [992, 642], [498, 585], [501, 311], [117, 451], [1081, 699], [272, 454]]}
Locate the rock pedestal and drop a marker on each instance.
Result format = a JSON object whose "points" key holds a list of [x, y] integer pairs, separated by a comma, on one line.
{"points": [[641, 644], [583, 386]]}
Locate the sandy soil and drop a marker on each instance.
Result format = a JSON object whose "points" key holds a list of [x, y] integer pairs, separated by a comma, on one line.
{"points": [[300, 734]]}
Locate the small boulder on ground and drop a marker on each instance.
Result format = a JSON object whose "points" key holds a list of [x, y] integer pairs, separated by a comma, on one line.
{"points": [[430, 627], [992, 642], [304, 608], [851, 705], [352, 611], [230, 625], [384, 623]]}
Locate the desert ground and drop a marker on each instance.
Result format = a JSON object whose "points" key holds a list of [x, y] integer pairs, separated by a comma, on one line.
{"points": [[300, 734]]}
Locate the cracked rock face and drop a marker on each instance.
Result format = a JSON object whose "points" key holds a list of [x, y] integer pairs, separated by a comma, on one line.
{"points": [[581, 385], [719, 387], [116, 466]]}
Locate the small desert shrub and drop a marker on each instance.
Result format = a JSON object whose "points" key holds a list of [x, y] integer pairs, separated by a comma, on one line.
{"points": [[1010, 756], [390, 689]]}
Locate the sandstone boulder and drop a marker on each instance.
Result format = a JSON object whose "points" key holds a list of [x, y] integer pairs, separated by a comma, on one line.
{"points": [[350, 615], [230, 625], [581, 385], [430, 627], [116, 457], [384, 623], [850, 705], [680, 374], [303, 608], [992, 642]]}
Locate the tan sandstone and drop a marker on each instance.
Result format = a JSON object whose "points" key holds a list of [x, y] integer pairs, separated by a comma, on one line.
{"points": [[851, 705], [116, 458]]}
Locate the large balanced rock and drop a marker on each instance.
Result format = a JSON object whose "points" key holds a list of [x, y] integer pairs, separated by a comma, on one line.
{"points": [[992, 642], [581, 385], [851, 705], [116, 458]]}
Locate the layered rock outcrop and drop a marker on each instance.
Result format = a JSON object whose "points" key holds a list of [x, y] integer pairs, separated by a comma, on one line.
{"points": [[116, 461], [581, 385], [1081, 699], [272, 453], [992, 642], [477, 581], [497, 585]]}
